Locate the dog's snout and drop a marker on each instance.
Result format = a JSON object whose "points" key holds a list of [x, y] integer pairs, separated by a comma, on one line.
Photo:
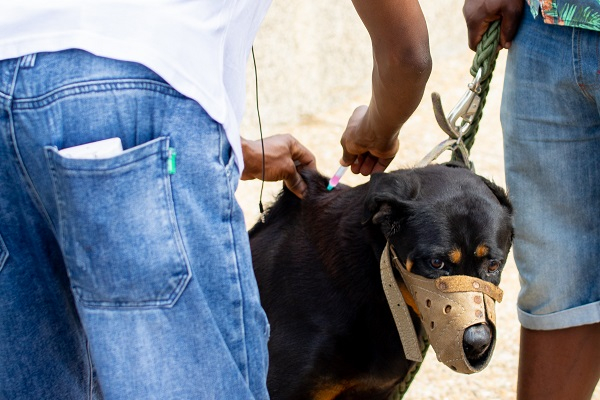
{"points": [[477, 340]]}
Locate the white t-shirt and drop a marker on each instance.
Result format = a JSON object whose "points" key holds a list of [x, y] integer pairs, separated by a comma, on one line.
{"points": [[200, 47]]}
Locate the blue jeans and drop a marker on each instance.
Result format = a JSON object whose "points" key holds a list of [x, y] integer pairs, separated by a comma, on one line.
{"points": [[119, 279], [551, 122]]}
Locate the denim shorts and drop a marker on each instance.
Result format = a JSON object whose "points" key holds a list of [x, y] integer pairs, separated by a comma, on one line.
{"points": [[126, 277], [551, 122]]}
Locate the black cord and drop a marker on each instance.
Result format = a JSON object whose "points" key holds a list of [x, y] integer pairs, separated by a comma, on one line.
{"points": [[262, 142]]}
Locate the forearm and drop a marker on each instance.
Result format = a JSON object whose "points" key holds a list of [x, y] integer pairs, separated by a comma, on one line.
{"points": [[401, 63]]}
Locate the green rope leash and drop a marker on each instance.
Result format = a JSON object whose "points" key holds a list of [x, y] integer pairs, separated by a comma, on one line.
{"points": [[485, 58], [403, 386]]}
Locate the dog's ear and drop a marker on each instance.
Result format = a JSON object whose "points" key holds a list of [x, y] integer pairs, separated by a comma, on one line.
{"points": [[502, 197], [389, 194], [500, 194]]}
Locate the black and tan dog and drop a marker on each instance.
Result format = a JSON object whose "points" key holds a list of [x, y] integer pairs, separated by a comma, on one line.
{"points": [[317, 265]]}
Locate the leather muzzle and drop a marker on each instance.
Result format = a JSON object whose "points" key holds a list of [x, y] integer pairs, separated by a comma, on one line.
{"points": [[448, 306]]}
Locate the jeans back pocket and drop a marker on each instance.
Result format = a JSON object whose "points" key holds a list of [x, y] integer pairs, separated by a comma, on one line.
{"points": [[117, 227]]}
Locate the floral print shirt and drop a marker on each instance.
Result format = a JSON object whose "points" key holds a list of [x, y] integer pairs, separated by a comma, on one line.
{"points": [[576, 13]]}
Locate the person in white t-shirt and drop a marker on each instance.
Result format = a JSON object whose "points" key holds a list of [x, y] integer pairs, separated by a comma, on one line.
{"points": [[125, 268]]}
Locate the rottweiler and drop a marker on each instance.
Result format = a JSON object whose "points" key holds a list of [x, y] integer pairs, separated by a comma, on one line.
{"points": [[316, 261]]}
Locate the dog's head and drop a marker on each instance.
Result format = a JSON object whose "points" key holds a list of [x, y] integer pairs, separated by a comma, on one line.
{"points": [[443, 220]]}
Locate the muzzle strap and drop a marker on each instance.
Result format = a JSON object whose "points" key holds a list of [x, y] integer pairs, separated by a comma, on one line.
{"points": [[460, 283], [404, 323]]}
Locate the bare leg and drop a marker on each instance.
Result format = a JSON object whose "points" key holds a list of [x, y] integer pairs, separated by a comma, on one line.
{"points": [[559, 364]]}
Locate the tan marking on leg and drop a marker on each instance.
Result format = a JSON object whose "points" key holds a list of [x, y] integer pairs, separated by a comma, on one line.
{"points": [[482, 250], [455, 256], [329, 393]]}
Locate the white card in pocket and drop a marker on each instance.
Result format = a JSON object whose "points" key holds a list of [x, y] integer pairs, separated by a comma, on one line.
{"points": [[95, 150]]}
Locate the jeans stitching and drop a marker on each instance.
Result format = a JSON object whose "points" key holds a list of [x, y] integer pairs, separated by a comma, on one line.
{"points": [[12, 138], [57, 199], [3, 253], [90, 369], [578, 62], [184, 281], [231, 199], [93, 87]]}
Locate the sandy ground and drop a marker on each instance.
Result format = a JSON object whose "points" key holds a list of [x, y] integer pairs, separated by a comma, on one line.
{"points": [[314, 68]]}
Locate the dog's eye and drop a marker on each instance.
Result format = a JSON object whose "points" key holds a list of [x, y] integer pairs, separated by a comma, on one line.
{"points": [[493, 265], [436, 263]]}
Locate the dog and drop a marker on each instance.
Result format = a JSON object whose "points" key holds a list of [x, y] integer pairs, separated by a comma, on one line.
{"points": [[316, 262]]}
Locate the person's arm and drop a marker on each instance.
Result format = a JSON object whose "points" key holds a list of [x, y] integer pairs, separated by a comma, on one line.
{"points": [[401, 68], [284, 155], [479, 14]]}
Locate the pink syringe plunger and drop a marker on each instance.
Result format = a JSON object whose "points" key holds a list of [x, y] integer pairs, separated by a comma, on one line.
{"points": [[335, 179]]}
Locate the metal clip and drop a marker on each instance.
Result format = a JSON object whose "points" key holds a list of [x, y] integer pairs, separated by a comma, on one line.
{"points": [[466, 107]]}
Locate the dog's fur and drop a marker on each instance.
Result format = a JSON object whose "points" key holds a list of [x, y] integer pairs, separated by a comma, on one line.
{"points": [[317, 265]]}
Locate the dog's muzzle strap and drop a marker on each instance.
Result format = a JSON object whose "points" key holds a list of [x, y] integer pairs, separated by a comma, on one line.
{"points": [[404, 323]]}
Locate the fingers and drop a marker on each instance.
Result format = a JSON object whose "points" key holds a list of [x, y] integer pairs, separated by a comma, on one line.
{"points": [[479, 14], [382, 164], [510, 24], [296, 184], [350, 150], [475, 29], [367, 164], [283, 157], [302, 158], [476, 25], [364, 149]]}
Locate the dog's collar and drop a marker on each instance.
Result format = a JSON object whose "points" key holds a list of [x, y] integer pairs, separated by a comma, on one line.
{"points": [[447, 306]]}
